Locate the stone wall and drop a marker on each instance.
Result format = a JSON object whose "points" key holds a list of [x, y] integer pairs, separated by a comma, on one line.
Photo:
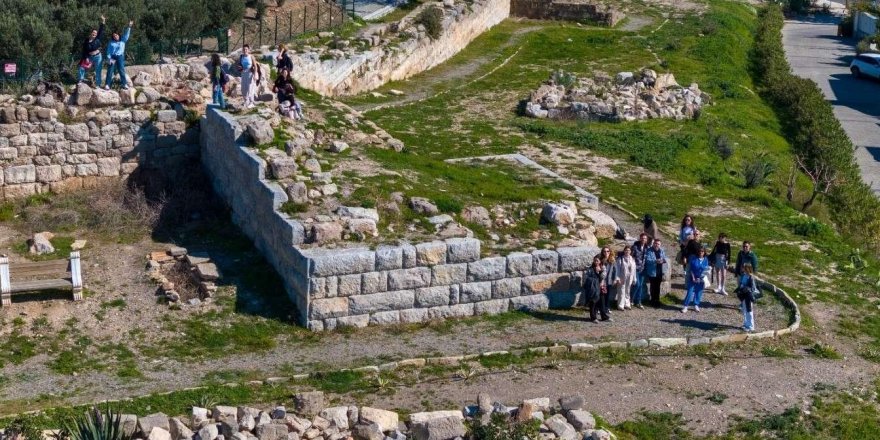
{"points": [[370, 69], [359, 287], [572, 10], [40, 153], [438, 280]]}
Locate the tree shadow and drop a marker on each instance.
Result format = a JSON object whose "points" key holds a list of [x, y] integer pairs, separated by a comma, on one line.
{"points": [[858, 94]]}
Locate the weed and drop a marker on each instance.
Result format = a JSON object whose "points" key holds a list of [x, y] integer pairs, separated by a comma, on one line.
{"points": [[776, 352], [824, 351], [717, 398], [756, 170], [432, 19]]}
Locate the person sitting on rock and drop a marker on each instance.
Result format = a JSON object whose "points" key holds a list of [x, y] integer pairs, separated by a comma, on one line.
{"points": [[285, 89], [91, 54], [116, 57]]}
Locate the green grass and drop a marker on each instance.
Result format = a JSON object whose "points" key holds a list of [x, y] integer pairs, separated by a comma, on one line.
{"points": [[824, 351], [60, 243]]}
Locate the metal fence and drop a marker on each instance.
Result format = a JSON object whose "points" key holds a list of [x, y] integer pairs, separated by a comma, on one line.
{"points": [[283, 28]]}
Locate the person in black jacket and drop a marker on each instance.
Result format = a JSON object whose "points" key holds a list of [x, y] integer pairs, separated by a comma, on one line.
{"points": [[91, 54], [284, 61], [720, 258], [596, 290]]}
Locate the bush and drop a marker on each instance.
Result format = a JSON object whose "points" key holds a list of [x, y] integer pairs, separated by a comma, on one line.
{"points": [[756, 170], [723, 147], [95, 425], [807, 226], [503, 427], [432, 19], [864, 46]]}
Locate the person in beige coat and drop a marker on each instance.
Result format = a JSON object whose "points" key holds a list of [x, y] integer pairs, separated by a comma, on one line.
{"points": [[625, 269]]}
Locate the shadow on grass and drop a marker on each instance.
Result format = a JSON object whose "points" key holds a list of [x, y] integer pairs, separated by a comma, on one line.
{"points": [[699, 325]]}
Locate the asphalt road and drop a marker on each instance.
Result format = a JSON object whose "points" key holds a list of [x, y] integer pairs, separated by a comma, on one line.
{"points": [[815, 52]]}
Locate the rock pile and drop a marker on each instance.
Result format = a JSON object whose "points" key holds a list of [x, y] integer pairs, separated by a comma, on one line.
{"points": [[626, 97], [197, 283], [310, 419]]}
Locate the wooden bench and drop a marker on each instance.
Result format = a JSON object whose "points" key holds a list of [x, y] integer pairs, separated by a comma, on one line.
{"points": [[40, 275]]}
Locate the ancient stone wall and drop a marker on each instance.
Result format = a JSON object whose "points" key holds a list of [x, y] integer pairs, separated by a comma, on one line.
{"points": [[41, 153], [572, 10], [359, 72], [360, 287]]}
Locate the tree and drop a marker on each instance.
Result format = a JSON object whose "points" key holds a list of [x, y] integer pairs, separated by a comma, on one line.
{"points": [[823, 176]]}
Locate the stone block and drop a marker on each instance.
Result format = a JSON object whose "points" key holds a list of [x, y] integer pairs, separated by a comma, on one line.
{"points": [[506, 288], [519, 264], [638, 343], [337, 415], [409, 255], [157, 420], [456, 311], [474, 292], [760, 335], [387, 420], [581, 347], [462, 250], [409, 278], [108, 166], [49, 173], [309, 403], [667, 342], [326, 262], [87, 169], [381, 302], [349, 285], [357, 321], [536, 284], [8, 153], [384, 318], [410, 316], [77, 132], [328, 308], [20, 174], [448, 274], [166, 116], [573, 259], [374, 282], [431, 253], [389, 258], [9, 130], [432, 296], [326, 287], [530, 303], [545, 261], [492, 307], [487, 269], [442, 428], [581, 420]]}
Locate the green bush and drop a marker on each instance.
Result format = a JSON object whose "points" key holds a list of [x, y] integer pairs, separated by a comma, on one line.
{"points": [[95, 425], [756, 170], [807, 226], [815, 134], [432, 19], [503, 427]]}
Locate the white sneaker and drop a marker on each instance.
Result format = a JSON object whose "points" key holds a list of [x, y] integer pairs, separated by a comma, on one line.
{"points": [[696, 308], [684, 310], [718, 290], [724, 292], [124, 87], [106, 87]]}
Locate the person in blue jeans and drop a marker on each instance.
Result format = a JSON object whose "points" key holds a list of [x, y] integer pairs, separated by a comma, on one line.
{"points": [[746, 295], [116, 58], [697, 267], [639, 253], [218, 81], [91, 54]]}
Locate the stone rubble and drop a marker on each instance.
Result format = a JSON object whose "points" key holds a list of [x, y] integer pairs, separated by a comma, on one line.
{"points": [[202, 271], [626, 97]]}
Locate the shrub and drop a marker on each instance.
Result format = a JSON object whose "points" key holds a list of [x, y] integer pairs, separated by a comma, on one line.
{"points": [[864, 46], [432, 19], [756, 170], [807, 226], [564, 79], [448, 205], [503, 427], [723, 147], [95, 425]]}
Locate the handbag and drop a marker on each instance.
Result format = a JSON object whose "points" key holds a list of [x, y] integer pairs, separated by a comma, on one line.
{"points": [[706, 281], [85, 63]]}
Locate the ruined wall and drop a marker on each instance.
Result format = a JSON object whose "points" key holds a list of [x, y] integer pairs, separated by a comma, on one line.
{"points": [[40, 153], [571, 10], [391, 62], [360, 287]]}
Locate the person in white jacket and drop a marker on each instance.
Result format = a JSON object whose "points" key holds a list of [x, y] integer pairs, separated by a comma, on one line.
{"points": [[625, 269]]}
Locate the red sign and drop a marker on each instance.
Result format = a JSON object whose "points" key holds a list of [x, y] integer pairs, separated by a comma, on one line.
{"points": [[10, 68]]}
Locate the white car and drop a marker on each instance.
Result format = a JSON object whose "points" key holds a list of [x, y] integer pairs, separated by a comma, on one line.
{"points": [[866, 64]]}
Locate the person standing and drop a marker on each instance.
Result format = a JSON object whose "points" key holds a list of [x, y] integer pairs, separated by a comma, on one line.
{"points": [[746, 256], [116, 57], [687, 228], [595, 289], [655, 267], [218, 81], [625, 277], [746, 295], [283, 60], [697, 267], [246, 67], [639, 252], [650, 228], [91, 54], [608, 262], [720, 257]]}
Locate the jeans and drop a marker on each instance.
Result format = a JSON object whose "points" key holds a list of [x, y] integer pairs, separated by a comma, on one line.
{"points": [[638, 292], [694, 293], [656, 282], [748, 315], [600, 306], [217, 96], [116, 63], [96, 60]]}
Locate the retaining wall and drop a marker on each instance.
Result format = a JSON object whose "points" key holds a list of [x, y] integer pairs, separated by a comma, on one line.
{"points": [[39, 153], [371, 69], [865, 24], [572, 10], [359, 287]]}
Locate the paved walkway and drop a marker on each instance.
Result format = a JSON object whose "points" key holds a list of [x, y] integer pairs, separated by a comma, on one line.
{"points": [[815, 52], [375, 9]]}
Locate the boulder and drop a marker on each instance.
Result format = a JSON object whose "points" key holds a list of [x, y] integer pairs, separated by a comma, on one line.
{"points": [[178, 430], [142, 79], [104, 98], [208, 432], [558, 214], [600, 434], [159, 434], [260, 131], [40, 243], [83, 94], [606, 227], [147, 95], [358, 212], [387, 420], [665, 81], [227, 413], [146, 424], [297, 192], [199, 416], [443, 428], [338, 146], [561, 427], [568, 403], [310, 403], [580, 419], [477, 215], [337, 416], [282, 166], [534, 110], [369, 431], [272, 431], [423, 206], [312, 165], [129, 424]]}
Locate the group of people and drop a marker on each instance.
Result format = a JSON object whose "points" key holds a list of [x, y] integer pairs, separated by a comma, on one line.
{"points": [[91, 56], [638, 270], [252, 76]]}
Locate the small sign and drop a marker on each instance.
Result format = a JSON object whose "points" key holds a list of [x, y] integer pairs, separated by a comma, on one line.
{"points": [[10, 68]]}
